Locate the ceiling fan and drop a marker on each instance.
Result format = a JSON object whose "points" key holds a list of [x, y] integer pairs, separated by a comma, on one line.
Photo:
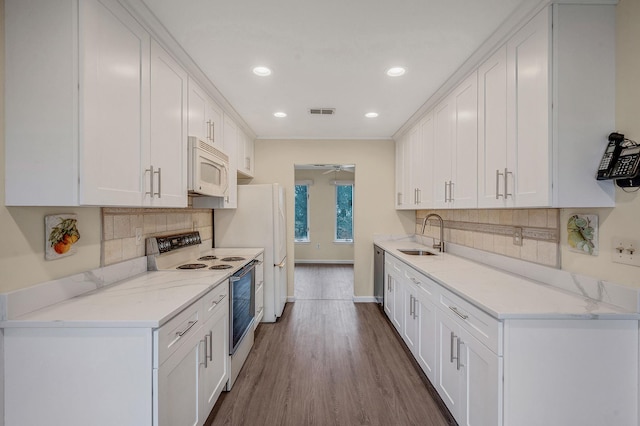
{"points": [[340, 168]]}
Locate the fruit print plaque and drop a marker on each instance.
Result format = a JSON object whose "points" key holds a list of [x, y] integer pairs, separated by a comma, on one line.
{"points": [[582, 233], [61, 233]]}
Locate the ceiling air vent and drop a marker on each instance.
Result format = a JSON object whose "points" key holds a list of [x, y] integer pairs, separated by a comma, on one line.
{"points": [[322, 111]]}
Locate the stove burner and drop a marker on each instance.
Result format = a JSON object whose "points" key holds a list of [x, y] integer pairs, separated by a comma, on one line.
{"points": [[192, 266], [210, 257], [233, 259], [221, 266]]}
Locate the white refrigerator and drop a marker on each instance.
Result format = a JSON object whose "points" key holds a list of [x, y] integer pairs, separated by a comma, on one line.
{"points": [[259, 221]]}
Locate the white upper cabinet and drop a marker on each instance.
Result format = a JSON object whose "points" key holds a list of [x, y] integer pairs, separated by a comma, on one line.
{"points": [[168, 129], [561, 106], [92, 142], [495, 175], [414, 152], [245, 154], [529, 112], [205, 117], [455, 147]]}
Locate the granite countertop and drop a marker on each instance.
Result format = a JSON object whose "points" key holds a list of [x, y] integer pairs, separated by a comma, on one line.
{"points": [[146, 300], [502, 294]]}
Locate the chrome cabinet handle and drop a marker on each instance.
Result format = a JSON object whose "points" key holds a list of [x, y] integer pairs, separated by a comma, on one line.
{"points": [[206, 336], [183, 332], [411, 305], [458, 313], [213, 131], [210, 335], [450, 191], [453, 336], [446, 185], [415, 308], [208, 129], [399, 198], [151, 172], [159, 172], [214, 303], [458, 363], [506, 190], [416, 282], [498, 174]]}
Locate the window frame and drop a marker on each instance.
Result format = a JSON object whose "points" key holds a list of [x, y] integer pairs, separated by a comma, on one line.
{"points": [[337, 184], [306, 240]]}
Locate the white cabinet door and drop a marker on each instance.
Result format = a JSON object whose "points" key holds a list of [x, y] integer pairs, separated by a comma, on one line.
{"points": [[230, 132], [114, 104], [168, 152], [463, 191], [245, 154], [423, 162], [205, 117], [179, 385], [481, 396], [442, 153], [388, 294], [494, 178], [402, 178], [214, 369], [426, 342], [410, 320], [448, 378], [529, 111]]}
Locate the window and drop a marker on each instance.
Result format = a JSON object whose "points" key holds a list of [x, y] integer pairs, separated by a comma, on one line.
{"points": [[302, 213], [344, 212]]}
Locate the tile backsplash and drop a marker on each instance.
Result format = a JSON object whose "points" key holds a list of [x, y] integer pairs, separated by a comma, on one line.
{"points": [[119, 226], [492, 231]]}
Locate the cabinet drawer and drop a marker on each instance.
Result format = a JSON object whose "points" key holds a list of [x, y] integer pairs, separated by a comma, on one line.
{"points": [[173, 334], [215, 299], [479, 324], [427, 288]]}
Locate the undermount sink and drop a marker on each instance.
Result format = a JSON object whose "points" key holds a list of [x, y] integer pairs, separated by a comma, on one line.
{"points": [[416, 252]]}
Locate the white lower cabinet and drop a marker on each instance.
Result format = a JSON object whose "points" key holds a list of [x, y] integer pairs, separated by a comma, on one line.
{"points": [[104, 376], [469, 375], [514, 372]]}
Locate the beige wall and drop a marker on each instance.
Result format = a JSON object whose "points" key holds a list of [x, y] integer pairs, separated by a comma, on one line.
{"points": [[374, 210], [624, 219], [22, 229], [322, 194]]}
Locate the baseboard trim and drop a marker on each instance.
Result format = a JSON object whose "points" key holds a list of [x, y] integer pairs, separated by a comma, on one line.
{"points": [[364, 299], [324, 261]]}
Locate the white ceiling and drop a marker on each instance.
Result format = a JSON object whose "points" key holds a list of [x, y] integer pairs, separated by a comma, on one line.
{"points": [[329, 54]]}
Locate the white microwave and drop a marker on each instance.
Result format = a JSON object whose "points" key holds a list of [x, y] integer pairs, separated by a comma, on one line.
{"points": [[208, 169]]}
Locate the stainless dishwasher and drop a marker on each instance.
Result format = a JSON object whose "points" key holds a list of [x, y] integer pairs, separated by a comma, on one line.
{"points": [[378, 275]]}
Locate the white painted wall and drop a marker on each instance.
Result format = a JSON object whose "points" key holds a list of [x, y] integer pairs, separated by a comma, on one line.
{"points": [[624, 219], [374, 210], [322, 196]]}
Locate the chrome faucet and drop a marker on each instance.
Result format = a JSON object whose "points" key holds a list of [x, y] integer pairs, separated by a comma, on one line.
{"points": [[440, 245]]}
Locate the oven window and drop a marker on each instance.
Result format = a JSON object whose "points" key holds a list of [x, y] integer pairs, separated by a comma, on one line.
{"points": [[243, 307]]}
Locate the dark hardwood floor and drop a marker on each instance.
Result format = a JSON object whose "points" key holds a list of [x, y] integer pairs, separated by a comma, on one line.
{"points": [[323, 282], [329, 362]]}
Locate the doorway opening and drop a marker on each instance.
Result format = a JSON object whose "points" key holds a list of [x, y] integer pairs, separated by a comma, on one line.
{"points": [[324, 237]]}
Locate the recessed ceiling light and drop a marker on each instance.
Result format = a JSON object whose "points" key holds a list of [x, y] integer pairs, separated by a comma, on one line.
{"points": [[371, 115], [396, 71], [280, 114], [262, 71]]}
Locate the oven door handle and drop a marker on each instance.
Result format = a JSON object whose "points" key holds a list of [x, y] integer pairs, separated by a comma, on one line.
{"points": [[250, 267]]}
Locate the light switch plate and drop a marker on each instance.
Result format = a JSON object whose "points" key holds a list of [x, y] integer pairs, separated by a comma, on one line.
{"points": [[625, 251]]}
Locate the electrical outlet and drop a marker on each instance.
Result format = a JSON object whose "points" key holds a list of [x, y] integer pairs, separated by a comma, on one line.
{"points": [[517, 236], [625, 251], [138, 236], [318, 246]]}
